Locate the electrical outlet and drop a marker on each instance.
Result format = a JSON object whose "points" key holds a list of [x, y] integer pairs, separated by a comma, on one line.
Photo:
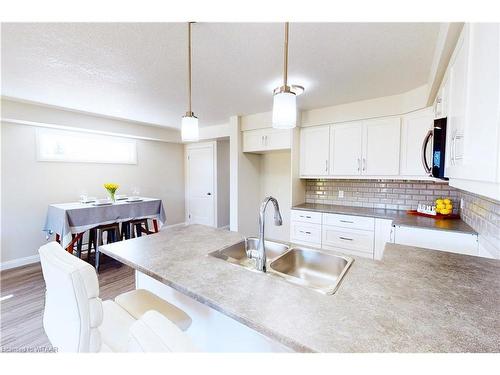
{"points": [[461, 203], [341, 193]]}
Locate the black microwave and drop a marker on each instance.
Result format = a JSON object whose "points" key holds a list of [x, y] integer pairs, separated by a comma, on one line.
{"points": [[437, 138]]}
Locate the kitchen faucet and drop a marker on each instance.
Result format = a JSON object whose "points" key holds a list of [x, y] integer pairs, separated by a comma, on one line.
{"points": [[260, 254]]}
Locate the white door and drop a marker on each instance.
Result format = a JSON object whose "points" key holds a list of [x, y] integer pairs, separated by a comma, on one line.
{"points": [[381, 141], [415, 128], [200, 191], [314, 150], [345, 149]]}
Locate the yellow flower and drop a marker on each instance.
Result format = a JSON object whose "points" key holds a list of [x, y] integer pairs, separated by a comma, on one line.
{"points": [[111, 187]]}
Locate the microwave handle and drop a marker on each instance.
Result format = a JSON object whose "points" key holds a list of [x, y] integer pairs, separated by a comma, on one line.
{"points": [[427, 138]]}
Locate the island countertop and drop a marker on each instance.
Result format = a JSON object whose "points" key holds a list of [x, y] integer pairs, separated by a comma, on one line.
{"points": [[413, 300]]}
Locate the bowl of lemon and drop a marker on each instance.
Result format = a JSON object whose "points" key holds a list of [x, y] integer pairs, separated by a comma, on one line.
{"points": [[444, 206]]}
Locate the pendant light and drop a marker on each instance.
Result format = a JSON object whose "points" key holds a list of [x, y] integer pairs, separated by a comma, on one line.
{"points": [[285, 97], [189, 128]]}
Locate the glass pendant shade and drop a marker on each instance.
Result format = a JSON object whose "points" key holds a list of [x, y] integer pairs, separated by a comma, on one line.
{"points": [[189, 129], [284, 110]]}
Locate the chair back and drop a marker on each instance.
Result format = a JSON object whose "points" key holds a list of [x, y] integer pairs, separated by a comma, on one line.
{"points": [[73, 309]]}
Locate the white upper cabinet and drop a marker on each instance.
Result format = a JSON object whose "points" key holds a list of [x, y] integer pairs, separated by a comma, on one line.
{"points": [[415, 129], [473, 150], [268, 139], [381, 142], [314, 150], [346, 149], [457, 106]]}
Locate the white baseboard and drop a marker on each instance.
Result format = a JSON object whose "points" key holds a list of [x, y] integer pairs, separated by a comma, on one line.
{"points": [[14, 263]]}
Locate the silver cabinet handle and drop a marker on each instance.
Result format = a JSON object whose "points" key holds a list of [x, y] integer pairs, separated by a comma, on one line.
{"points": [[429, 135], [304, 232], [346, 238], [364, 164], [326, 165], [359, 164], [307, 217], [346, 221]]}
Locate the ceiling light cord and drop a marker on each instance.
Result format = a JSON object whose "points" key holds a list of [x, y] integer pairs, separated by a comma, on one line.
{"points": [[285, 67], [189, 69]]}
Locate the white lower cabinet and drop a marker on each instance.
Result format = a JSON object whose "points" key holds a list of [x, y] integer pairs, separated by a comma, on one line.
{"points": [[355, 241], [455, 242], [305, 233]]}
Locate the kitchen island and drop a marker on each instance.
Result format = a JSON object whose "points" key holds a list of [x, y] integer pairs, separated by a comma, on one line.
{"points": [[413, 300]]}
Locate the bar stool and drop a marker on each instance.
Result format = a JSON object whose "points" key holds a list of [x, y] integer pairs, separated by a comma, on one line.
{"points": [[137, 229], [96, 238]]}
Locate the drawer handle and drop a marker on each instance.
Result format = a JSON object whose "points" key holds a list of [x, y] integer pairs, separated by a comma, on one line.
{"points": [[307, 217], [301, 231], [345, 238], [346, 221]]}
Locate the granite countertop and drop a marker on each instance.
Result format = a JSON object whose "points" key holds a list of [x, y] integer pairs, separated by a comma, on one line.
{"points": [[398, 217], [414, 300]]}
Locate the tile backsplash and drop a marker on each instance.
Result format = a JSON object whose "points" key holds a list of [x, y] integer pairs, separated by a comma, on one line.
{"points": [[482, 214], [390, 194]]}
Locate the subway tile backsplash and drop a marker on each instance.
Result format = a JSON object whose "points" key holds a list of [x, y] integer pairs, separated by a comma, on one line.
{"points": [[482, 214], [390, 194]]}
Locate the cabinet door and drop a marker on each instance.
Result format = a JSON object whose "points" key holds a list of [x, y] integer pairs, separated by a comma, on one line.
{"points": [[277, 139], [381, 141], [253, 140], [345, 149], [414, 130], [314, 150], [457, 106], [481, 134]]}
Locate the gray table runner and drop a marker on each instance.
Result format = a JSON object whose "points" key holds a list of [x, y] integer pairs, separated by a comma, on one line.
{"points": [[69, 218]]}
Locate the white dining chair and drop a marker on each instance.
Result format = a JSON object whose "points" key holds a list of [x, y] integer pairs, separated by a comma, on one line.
{"points": [[77, 320]]}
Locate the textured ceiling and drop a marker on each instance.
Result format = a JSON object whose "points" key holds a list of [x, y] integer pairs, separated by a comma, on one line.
{"points": [[137, 71]]}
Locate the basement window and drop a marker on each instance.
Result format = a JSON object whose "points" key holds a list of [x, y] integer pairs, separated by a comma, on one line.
{"points": [[81, 147]]}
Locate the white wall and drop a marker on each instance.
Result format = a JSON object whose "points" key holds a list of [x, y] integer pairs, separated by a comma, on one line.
{"points": [[222, 183], [29, 186], [275, 177]]}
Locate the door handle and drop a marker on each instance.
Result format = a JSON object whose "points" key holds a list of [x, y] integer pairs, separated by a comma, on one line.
{"points": [[427, 168]]}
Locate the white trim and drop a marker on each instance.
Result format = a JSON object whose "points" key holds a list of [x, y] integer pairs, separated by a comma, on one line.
{"points": [[19, 262], [83, 130]]}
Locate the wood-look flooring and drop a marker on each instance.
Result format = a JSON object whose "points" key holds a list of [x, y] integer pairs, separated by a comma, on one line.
{"points": [[21, 315]]}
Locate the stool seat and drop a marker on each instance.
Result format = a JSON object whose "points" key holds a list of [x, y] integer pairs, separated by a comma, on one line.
{"points": [[138, 302]]}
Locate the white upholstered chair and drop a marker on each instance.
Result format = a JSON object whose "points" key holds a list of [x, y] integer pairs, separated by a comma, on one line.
{"points": [[77, 320]]}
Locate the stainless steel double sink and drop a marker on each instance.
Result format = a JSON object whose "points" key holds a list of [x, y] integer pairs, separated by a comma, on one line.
{"points": [[314, 269]]}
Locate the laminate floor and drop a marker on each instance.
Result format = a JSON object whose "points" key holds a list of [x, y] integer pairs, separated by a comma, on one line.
{"points": [[23, 297]]}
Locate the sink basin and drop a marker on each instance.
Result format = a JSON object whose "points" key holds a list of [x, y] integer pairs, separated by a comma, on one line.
{"points": [[237, 253], [315, 269]]}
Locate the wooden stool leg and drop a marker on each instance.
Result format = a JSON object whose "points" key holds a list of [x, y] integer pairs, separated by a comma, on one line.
{"points": [[155, 225], [79, 244]]}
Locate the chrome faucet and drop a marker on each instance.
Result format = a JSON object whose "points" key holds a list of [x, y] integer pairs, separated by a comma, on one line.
{"points": [[260, 254]]}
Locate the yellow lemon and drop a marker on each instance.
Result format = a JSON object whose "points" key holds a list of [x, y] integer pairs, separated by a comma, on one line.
{"points": [[446, 201], [449, 207], [445, 212], [439, 201], [440, 206]]}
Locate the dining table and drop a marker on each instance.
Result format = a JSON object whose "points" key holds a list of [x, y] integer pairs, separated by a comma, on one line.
{"points": [[69, 221]]}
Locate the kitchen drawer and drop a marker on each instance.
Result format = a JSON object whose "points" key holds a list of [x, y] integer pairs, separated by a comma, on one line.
{"points": [[349, 221], [351, 239], [305, 233], [306, 216]]}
